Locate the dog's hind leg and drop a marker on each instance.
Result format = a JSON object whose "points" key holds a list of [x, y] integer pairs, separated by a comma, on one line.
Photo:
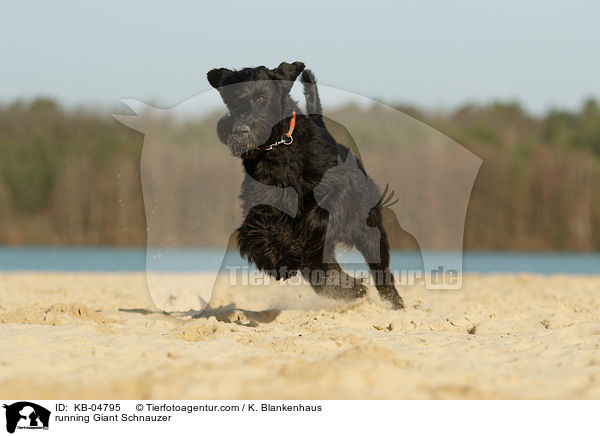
{"points": [[377, 254], [330, 280], [319, 265]]}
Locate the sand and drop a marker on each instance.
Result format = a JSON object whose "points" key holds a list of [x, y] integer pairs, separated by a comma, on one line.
{"points": [[91, 336]]}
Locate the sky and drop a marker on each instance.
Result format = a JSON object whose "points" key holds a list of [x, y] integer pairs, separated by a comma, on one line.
{"points": [[434, 54]]}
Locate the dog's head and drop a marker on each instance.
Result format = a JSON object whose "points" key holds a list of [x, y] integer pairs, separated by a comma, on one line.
{"points": [[258, 102]]}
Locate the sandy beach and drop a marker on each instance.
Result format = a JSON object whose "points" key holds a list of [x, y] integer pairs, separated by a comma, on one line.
{"points": [[99, 336]]}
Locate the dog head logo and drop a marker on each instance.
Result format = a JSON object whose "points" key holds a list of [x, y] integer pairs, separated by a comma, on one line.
{"points": [[26, 415]]}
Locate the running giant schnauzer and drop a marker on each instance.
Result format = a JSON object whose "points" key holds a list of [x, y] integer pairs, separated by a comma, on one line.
{"points": [[281, 147]]}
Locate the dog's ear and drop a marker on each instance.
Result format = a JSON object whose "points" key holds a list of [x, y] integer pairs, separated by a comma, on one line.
{"points": [[287, 72], [215, 77]]}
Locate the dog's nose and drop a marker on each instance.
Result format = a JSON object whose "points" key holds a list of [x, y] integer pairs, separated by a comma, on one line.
{"points": [[241, 130]]}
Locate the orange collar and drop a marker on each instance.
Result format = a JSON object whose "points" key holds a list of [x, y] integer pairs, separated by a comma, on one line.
{"points": [[287, 139], [292, 125]]}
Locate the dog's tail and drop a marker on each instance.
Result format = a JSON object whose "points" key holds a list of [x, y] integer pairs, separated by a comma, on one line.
{"points": [[313, 102]]}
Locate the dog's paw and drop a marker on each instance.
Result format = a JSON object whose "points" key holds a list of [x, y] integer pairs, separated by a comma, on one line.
{"points": [[360, 289], [393, 298]]}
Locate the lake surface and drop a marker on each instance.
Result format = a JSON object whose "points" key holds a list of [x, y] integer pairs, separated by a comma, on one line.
{"points": [[117, 259]]}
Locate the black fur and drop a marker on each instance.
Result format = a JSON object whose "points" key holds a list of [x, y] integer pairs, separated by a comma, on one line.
{"points": [[260, 109], [313, 102]]}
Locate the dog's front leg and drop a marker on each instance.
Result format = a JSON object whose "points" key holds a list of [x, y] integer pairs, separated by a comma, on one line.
{"points": [[266, 239]]}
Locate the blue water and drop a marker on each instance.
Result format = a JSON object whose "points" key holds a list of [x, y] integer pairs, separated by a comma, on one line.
{"points": [[117, 259]]}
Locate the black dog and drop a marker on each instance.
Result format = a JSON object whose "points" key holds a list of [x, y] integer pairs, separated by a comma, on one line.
{"points": [[280, 147]]}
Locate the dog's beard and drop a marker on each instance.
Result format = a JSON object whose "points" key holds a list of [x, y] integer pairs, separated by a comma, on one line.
{"points": [[247, 146], [241, 145]]}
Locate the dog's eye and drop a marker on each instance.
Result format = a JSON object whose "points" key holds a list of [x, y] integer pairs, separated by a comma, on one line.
{"points": [[261, 99]]}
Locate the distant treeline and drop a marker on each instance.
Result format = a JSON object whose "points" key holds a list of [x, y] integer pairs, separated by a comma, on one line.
{"points": [[72, 177]]}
